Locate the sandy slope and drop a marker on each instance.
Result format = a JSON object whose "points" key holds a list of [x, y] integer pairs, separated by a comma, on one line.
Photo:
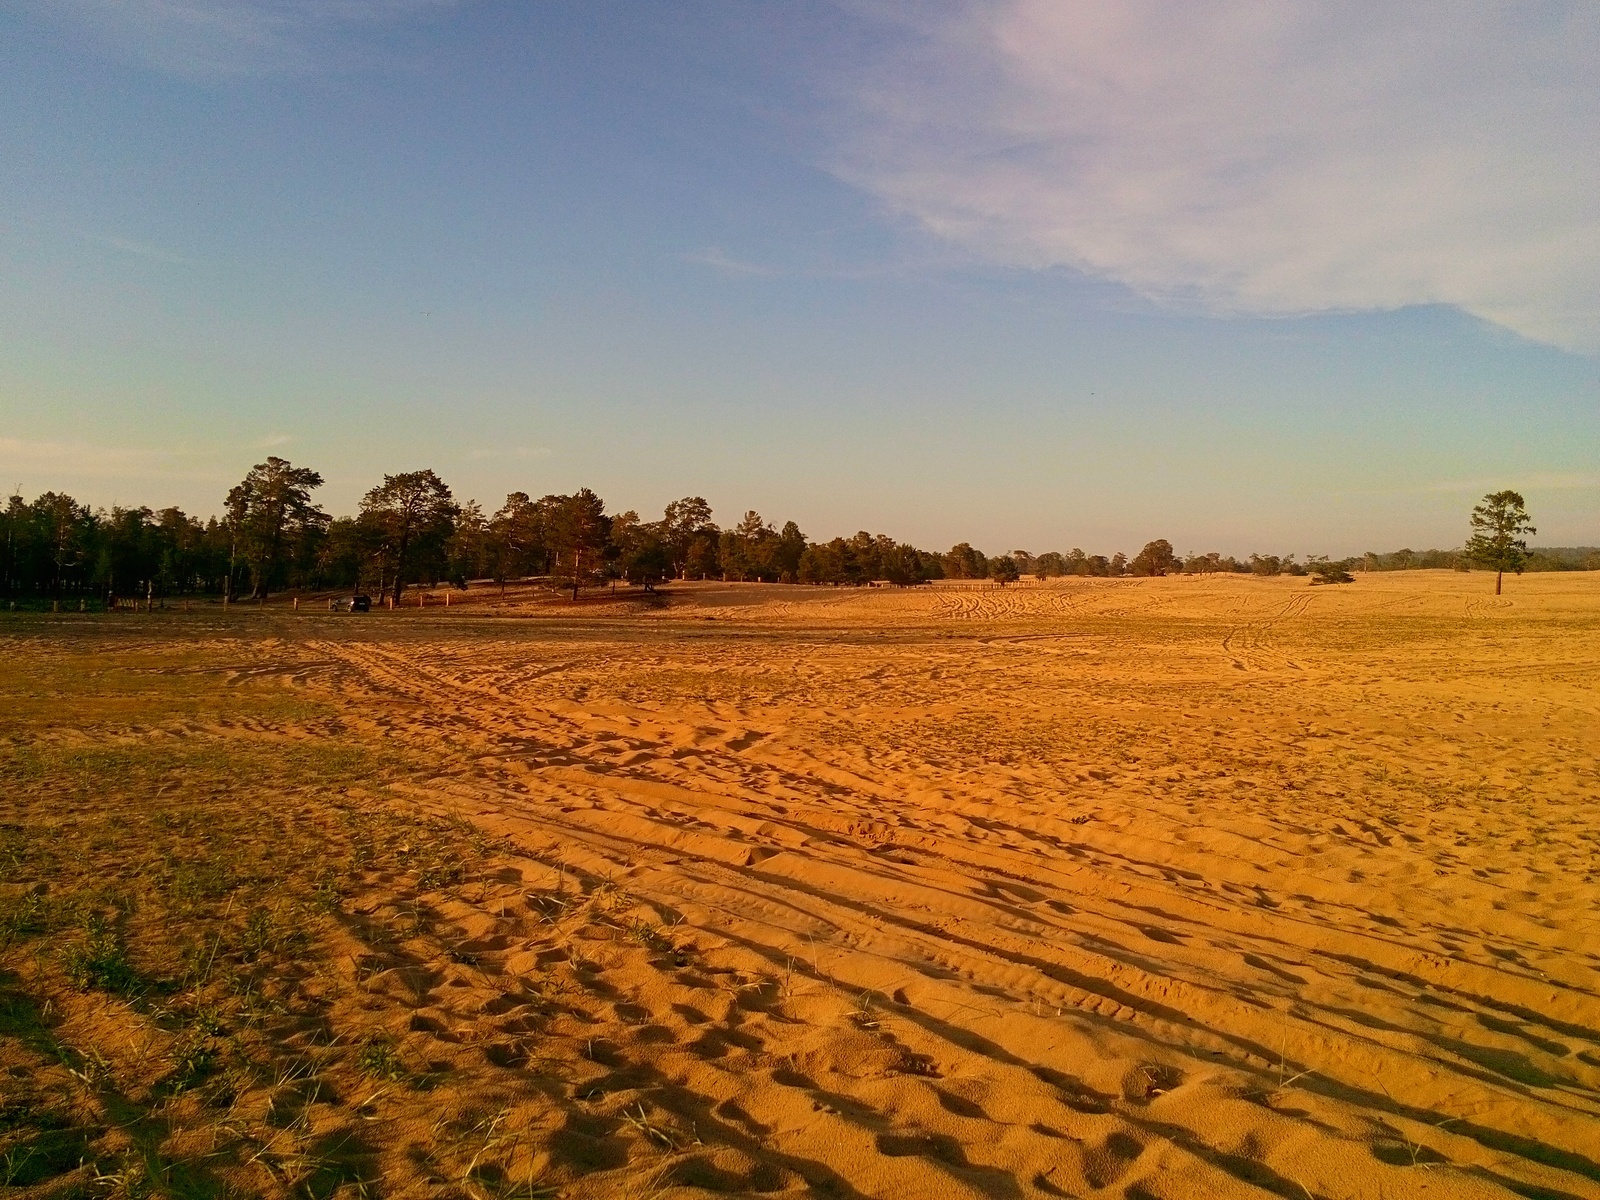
{"points": [[1156, 888]]}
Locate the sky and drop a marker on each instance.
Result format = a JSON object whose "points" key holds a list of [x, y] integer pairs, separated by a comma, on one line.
{"points": [[1254, 275]]}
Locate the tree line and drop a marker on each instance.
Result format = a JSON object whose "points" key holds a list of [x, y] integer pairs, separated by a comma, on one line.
{"points": [[272, 536]]}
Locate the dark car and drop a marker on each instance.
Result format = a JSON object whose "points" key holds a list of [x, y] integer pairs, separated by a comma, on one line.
{"points": [[360, 603]]}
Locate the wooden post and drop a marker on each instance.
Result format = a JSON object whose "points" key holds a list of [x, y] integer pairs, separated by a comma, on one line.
{"points": [[297, 604]]}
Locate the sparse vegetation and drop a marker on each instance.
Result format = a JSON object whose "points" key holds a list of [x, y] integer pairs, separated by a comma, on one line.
{"points": [[190, 1004]]}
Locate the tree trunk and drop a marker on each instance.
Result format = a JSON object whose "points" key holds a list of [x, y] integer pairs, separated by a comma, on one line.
{"points": [[400, 566], [1498, 576]]}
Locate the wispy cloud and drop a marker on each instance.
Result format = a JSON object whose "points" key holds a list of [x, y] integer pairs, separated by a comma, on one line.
{"points": [[719, 260], [1256, 156], [232, 37], [141, 249]]}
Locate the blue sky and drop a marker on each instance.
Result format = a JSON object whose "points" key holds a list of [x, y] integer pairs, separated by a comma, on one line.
{"points": [[1028, 273]]}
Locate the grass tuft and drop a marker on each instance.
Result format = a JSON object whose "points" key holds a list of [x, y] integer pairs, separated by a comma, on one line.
{"points": [[100, 961]]}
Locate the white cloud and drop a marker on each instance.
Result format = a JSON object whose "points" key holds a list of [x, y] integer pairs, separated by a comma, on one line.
{"points": [[1257, 156], [230, 37]]}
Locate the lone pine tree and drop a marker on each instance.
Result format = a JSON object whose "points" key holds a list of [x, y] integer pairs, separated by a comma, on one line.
{"points": [[1498, 526]]}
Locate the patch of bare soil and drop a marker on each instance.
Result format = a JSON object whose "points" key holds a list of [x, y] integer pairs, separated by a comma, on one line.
{"points": [[1135, 888]]}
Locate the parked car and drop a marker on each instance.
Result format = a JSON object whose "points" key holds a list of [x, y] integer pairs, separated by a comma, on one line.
{"points": [[359, 603]]}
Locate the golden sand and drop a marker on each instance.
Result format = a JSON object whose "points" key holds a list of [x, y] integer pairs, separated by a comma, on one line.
{"points": [[1155, 888]]}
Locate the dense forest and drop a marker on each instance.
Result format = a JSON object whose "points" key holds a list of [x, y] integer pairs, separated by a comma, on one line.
{"points": [[273, 537]]}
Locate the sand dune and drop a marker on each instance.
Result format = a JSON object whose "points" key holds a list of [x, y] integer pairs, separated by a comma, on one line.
{"points": [[1135, 888]]}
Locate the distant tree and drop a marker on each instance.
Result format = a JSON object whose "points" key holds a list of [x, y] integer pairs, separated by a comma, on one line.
{"points": [[410, 512], [821, 562], [1156, 558], [1119, 563], [1498, 526], [269, 511], [127, 551], [903, 564], [685, 523], [516, 537], [64, 530], [578, 535], [181, 550], [963, 562], [866, 557], [746, 549], [1323, 571], [1003, 569], [701, 560], [1266, 564], [1050, 565], [641, 548], [626, 530], [349, 553], [469, 551], [787, 552]]}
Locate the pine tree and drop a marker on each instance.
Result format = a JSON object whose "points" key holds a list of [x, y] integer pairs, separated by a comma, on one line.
{"points": [[269, 513], [411, 510], [1498, 526]]}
